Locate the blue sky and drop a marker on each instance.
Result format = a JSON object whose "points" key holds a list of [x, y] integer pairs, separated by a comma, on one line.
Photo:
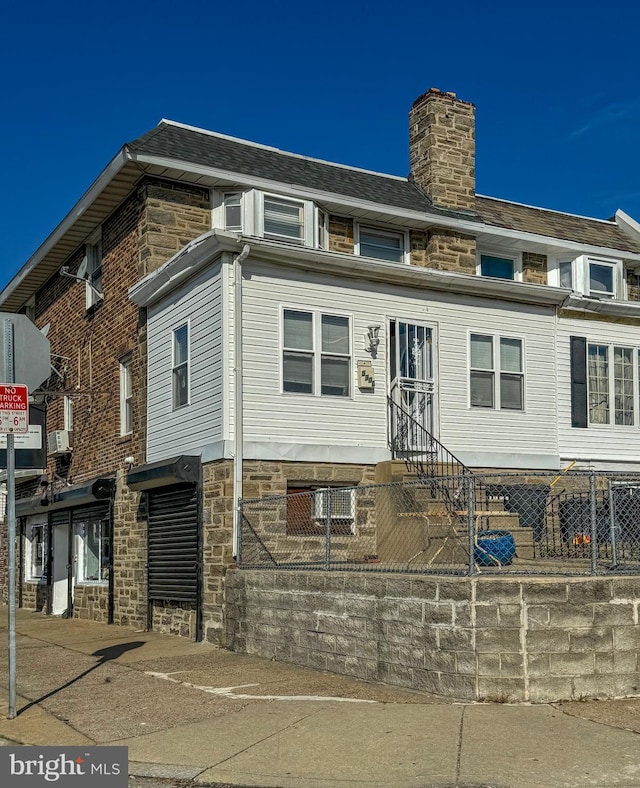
{"points": [[555, 85]]}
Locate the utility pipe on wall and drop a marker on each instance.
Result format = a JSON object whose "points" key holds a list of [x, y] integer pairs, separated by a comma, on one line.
{"points": [[238, 431]]}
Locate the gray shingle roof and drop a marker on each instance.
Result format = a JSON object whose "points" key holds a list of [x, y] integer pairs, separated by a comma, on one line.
{"points": [[580, 229], [198, 147]]}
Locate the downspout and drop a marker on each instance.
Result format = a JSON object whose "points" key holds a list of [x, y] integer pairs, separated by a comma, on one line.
{"points": [[238, 432]]}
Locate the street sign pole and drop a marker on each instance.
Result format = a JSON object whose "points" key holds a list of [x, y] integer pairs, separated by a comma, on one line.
{"points": [[11, 525]]}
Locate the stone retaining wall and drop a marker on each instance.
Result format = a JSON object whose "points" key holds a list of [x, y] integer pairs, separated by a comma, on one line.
{"points": [[508, 638]]}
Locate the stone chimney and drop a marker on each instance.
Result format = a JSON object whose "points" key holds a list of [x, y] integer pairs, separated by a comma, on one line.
{"points": [[442, 149]]}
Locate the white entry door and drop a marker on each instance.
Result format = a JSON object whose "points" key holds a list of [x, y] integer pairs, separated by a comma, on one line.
{"points": [[60, 570], [413, 371]]}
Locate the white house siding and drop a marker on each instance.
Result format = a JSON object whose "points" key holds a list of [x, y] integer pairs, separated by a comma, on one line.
{"points": [[298, 426], [602, 446], [199, 423]]}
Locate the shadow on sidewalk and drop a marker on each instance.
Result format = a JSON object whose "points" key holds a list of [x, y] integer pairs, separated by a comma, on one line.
{"points": [[105, 654]]}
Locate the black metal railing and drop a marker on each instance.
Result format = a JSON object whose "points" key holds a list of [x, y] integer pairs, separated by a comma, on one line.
{"points": [[430, 460]]}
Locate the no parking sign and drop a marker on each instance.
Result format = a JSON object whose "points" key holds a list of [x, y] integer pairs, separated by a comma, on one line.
{"points": [[14, 408]]}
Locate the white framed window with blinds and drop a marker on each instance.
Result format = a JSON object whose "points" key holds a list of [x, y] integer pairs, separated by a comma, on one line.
{"points": [[316, 353], [285, 219], [496, 372], [388, 245], [612, 384]]}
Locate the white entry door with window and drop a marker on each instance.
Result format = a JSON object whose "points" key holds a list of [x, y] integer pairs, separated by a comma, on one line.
{"points": [[412, 371]]}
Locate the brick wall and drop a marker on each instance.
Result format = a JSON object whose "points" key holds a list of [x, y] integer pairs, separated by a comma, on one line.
{"points": [[535, 639], [151, 224], [442, 148]]}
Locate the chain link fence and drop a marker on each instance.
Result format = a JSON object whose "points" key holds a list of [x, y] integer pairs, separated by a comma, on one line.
{"points": [[542, 523]]}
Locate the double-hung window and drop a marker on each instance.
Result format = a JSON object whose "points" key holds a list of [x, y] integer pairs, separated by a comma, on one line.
{"points": [[316, 355], [232, 202], [496, 374], [180, 371], [611, 373], [126, 397], [283, 219], [93, 252], [381, 244]]}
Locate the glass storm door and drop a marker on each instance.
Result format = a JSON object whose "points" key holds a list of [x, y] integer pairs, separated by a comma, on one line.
{"points": [[412, 372]]}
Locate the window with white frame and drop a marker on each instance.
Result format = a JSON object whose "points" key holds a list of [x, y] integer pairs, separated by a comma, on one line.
{"points": [[126, 397], [499, 266], [381, 244], [283, 219], [496, 373], [316, 354], [36, 552], [180, 369], [68, 413], [93, 550], [565, 274], [590, 276], [602, 279], [93, 252], [611, 381], [232, 202]]}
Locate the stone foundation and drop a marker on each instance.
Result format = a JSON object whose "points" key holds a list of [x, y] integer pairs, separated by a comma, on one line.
{"points": [[510, 638]]}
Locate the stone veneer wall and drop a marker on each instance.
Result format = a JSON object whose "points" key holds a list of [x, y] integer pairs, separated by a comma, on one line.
{"points": [[91, 602], [522, 639], [534, 268], [450, 251]]}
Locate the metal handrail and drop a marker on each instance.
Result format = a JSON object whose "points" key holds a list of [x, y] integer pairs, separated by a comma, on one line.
{"points": [[430, 460]]}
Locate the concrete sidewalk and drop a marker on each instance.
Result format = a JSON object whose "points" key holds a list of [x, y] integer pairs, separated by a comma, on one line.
{"points": [[192, 711]]}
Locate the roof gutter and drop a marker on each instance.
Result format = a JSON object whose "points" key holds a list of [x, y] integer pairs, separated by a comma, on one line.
{"points": [[603, 306], [204, 249], [101, 182]]}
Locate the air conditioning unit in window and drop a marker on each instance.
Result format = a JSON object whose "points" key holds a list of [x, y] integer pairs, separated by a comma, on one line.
{"points": [[342, 504], [58, 442]]}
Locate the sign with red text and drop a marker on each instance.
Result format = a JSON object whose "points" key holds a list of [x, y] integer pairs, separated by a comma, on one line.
{"points": [[14, 408]]}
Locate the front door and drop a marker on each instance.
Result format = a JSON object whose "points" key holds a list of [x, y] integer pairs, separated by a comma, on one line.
{"points": [[60, 570], [412, 371]]}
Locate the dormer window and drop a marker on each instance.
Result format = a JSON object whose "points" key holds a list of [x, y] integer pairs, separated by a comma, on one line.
{"points": [[602, 279], [232, 202], [381, 244], [500, 266], [283, 219], [590, 276]]}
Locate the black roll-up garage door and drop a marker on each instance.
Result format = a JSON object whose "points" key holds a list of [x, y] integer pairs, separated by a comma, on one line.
{"points": [[173, 543]]}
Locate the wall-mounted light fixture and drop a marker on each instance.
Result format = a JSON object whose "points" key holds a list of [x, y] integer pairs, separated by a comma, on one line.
{"points": [[372, 338], [44, 491]]}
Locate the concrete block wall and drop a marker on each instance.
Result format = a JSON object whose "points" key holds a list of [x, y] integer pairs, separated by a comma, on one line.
{"points": [[533, 639]]}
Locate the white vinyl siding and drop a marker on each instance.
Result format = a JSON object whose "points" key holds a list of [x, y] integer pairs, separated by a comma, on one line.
{"points": [[610, 377], [200, 422], [270, 418]]}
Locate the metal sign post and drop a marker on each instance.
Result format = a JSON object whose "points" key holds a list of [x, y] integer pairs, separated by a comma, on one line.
{"points": [[11, 524]]}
